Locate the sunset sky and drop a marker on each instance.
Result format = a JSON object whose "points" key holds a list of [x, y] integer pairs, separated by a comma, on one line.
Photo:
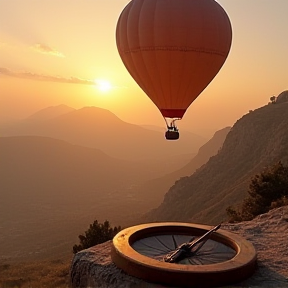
{"points": [[61, 52]]}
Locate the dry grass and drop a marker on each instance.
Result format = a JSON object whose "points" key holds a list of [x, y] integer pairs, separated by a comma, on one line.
{"points": [[48, 274]]}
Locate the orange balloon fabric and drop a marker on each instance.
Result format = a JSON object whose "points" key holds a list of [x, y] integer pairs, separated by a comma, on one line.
{"points": [[173, 48]]}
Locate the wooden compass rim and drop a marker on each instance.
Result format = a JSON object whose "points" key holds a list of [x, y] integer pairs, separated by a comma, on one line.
{"points": [[238, 268]]}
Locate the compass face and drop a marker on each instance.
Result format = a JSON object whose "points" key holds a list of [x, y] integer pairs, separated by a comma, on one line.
{"points": [[157, 247], [224, 258]]}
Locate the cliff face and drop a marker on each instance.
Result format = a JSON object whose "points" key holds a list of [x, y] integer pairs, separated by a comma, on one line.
{"points": [[258, 139]]}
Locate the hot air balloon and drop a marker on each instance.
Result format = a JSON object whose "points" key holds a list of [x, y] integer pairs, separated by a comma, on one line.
{"points": [[173, 49]]}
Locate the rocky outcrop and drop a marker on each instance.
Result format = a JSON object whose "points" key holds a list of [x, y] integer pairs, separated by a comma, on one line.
{"points": [[268, 232]]}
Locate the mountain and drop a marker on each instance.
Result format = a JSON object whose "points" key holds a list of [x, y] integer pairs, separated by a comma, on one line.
{"points": [[205, 152], [51, 190], [258, 139], [51, 112], [99, 128], [156, 188]]}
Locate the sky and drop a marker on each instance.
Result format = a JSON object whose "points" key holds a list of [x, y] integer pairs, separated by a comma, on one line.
{"points": [[64, 52]]}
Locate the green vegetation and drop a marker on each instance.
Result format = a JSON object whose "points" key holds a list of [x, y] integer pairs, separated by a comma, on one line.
{"points": [[96, 234], [267, 190]]}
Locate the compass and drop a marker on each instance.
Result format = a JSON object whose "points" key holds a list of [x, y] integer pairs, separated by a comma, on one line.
{"points": [[183, 254]]}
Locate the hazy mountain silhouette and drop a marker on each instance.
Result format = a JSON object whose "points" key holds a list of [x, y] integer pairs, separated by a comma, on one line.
{"points": [[156, 188], [101, 129], [53, 183], [51, 112], [258, 139], [51, 190]]}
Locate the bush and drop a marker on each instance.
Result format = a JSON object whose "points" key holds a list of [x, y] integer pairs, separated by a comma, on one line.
{"points": [[96, 234], [267, 190]]}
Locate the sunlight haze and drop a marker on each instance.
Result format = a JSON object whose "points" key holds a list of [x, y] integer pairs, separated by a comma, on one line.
{"points": [[52, 51], [85, 153]]}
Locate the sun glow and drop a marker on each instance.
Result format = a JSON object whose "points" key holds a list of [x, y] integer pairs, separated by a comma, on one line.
{"points": [[103, 85]]}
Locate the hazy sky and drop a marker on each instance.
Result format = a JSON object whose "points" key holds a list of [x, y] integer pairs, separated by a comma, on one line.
{"points": [[57, 52]]}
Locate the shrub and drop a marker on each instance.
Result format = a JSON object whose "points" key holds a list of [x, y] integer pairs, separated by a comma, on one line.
{"points": [[96, 234], [267, 190]]}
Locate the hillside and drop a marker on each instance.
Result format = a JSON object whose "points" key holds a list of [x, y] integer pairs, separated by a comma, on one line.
{"points": [[52, 190], [99, 128], [156, 188], [258, 139]]}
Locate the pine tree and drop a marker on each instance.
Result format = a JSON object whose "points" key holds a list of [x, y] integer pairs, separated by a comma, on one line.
{"points": [[96, 234]]}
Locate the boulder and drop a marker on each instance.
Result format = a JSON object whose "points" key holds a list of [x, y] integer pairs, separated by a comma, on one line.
{"points": [[268, 232]]}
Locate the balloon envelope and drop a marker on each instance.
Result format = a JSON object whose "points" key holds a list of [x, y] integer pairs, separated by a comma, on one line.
{"points": [[173, 48]]}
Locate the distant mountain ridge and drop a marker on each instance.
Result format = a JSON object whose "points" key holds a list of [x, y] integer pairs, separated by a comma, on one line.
{"points": [[258, 139], [51, 112], [57, 174], [99, 128]]}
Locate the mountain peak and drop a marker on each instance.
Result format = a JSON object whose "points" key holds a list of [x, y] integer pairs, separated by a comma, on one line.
{"points": [[93, 115], [51, 112]]}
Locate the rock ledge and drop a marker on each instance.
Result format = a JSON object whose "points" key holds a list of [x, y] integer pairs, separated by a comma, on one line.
{"points": [[93, 267]]}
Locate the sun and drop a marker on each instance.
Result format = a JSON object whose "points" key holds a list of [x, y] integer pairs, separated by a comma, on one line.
{"points": [[103, 85]]}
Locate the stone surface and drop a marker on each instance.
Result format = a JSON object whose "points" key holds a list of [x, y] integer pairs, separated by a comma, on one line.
{"points": [[268, 233]]}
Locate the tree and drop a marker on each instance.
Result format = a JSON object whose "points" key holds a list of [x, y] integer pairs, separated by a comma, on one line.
{"points": [[273, 99], [267, 190], [96, 234]]}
